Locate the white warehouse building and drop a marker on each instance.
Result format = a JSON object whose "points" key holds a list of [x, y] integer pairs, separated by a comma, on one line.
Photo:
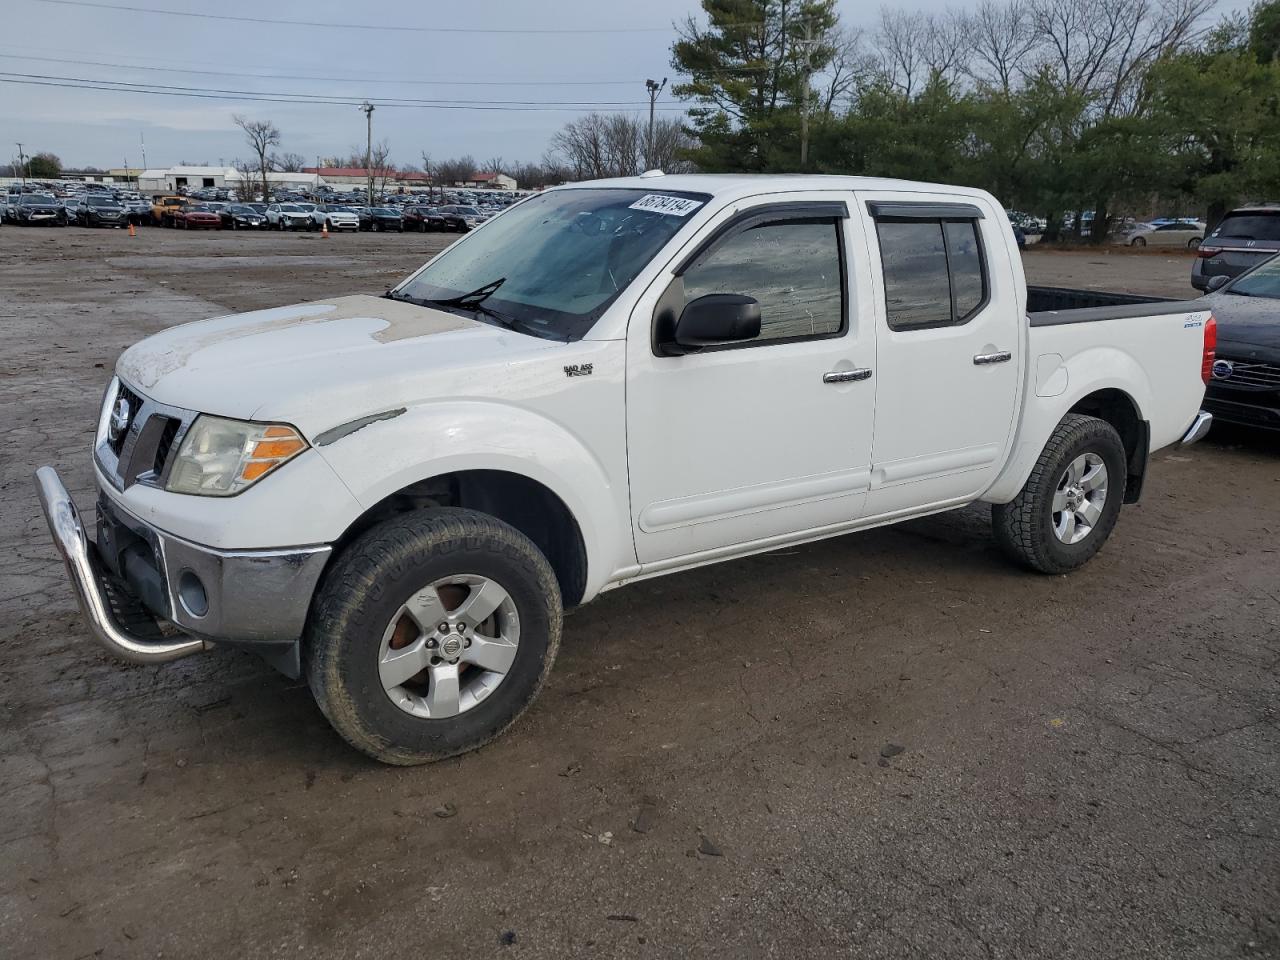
{"points": [[171, 179]]}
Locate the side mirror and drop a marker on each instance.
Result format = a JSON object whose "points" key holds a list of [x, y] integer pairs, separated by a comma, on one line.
{"points": [[715, 319], [1218, 281]]}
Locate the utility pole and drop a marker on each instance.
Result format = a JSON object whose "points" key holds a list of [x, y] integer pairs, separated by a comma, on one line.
{"points": [[654, 88], [22, 165], [367, 107], [143, 140], [804, 101]]}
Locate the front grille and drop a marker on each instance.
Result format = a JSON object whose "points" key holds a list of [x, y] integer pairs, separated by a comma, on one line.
{"points": [[1252, 374], [165, 444]]}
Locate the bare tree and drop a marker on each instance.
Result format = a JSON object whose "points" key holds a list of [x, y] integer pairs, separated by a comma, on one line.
{"points": [[288, 162], [1002, 40], [261, 135], [900, 40], [381, 169], [581, 145], [849, 67], [944, 49], [1100, 48], [456, 169], [495, 165], [671, 141], [245, 186]]}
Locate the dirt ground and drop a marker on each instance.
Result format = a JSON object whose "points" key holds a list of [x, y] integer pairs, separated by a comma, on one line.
{"points": [[1089, 765]]}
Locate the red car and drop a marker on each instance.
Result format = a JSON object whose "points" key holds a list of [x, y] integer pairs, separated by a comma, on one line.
{"points": [[197, 217]]}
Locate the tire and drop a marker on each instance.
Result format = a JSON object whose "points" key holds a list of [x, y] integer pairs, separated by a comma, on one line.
{"points": [[1193, 243], [360, 609], [1138, 242], [1025, 528]]}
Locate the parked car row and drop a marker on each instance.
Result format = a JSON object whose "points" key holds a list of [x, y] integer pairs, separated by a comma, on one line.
{"points": [[1165, 233], [183, 212]]}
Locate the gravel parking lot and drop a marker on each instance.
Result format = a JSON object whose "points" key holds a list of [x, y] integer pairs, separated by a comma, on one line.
{"points": [[886, 745]]}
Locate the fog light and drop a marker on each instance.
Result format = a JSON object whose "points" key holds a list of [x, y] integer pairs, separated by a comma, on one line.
{"points": [[192, 594]]}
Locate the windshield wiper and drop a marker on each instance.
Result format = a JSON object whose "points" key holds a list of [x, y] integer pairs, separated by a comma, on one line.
{"points": [[473, 298], [473, 302]]}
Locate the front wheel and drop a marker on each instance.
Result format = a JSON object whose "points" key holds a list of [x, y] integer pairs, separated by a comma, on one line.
{"points": [[1193, 243], [1070, 503], [431, 634], [1138, 242]]}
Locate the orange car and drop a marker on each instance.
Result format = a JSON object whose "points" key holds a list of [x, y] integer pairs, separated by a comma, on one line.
{"points": [[163, 209]]}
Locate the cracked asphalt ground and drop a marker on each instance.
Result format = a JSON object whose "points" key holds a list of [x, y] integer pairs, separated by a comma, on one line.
{"points": [[1089, 764]]}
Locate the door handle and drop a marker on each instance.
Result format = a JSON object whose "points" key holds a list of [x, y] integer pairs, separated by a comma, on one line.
{"points": [[1000, 356], [847, 376]]}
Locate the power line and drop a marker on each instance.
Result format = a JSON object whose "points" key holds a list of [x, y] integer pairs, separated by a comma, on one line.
{"points": [[284, 76], [352, 26], [129, 87], [73, 83]]}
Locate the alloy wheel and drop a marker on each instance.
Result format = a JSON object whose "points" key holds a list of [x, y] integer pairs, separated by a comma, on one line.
{"points": [[449, 646], [1079, 498]]}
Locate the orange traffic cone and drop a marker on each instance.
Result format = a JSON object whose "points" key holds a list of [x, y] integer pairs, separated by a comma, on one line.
{"points": [[132, 232], [324, 231]]}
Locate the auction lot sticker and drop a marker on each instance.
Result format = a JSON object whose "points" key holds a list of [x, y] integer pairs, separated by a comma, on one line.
{"points": [[671, 206]]}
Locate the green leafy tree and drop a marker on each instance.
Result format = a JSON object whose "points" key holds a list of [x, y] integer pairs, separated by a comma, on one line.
{"points": [[1219, 114], [44, 166], [1264, 31], [748, 72]]}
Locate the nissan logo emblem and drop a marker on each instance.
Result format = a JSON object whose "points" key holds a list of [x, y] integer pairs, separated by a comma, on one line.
{"points": [[119, 421]]}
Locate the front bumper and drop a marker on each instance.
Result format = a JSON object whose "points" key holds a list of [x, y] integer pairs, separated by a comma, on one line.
{"points": [[257, 597], [1263, 415]]}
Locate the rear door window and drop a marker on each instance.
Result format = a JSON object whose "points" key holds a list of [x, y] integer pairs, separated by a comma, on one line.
{"points": [[934, 272]]}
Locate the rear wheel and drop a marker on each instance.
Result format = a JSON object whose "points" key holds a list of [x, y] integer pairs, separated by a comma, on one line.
{"points": [[432, 634], [1193, 243], [1070, 503], [1138, 242]]}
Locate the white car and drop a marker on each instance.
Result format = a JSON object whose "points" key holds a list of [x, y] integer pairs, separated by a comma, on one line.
{"points": [[336, 217], [288, 216], [1173, 233], [398, 496]]}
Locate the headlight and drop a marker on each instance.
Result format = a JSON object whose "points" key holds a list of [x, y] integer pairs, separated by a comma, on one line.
{"points": [[219, 457]]}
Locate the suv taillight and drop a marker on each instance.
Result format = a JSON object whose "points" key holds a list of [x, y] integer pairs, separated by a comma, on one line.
{"points": [[1210, 349], [1206, 252]]}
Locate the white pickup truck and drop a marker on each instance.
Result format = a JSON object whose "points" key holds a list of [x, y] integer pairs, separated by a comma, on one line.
{"points": [[398, 496]]}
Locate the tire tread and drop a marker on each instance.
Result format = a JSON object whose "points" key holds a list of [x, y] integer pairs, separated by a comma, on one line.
{"points": [[1018, 525], [356, 578]]}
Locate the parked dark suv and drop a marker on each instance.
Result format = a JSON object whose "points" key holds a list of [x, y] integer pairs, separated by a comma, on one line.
{"points": [[1245, 383], [1241, 240]]}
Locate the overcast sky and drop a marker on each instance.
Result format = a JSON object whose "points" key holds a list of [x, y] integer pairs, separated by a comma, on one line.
{"points": [[416, 60]]}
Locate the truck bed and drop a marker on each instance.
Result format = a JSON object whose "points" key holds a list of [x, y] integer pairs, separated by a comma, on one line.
{"points": [[1049, 306]]}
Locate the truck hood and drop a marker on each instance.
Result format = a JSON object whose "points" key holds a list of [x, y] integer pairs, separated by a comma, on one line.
{"points": [[318, 365], [1248, 327]]}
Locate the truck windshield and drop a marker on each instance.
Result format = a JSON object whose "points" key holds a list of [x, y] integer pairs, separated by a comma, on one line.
{"points": [[566, 255]]}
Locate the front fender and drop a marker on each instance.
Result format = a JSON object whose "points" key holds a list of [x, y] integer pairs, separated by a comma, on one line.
{"points": [[1087, 372], [450, 436]]}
